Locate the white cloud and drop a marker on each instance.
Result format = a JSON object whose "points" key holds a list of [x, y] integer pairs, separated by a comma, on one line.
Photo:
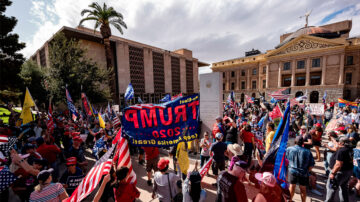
{"points": [[214, 30]]}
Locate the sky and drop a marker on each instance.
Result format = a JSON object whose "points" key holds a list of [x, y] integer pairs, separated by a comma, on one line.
{"points": [[214, 30]]}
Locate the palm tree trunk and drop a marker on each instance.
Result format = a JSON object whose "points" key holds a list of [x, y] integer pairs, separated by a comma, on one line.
{"points": [[109, 65]]}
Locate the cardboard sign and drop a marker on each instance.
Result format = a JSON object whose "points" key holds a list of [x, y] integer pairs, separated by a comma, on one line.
{"points": [[316, 109]]}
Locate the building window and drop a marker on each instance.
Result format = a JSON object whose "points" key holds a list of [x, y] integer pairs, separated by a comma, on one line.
{"points": [[264, 70], [301, 64], [264, 83], [158, 69], [189, 76], [242, 72], [223, 74], [316, 62], [137, 73], [254, 71], [287, 81], [243, 85], [350, 60], [315, 80], [232, 74], [300, 81], [232, 86], [223, 86], [287, 66], [253, 84], [348, 78]]}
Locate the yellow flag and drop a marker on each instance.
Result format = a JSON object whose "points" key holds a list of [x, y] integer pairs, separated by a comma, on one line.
{"points": [[101, 121], [26, 115]]}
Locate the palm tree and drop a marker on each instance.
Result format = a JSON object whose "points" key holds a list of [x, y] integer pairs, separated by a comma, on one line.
{"points": [[104, 17]]}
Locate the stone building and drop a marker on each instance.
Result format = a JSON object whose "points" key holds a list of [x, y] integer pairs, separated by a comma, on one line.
{"points": [[153, 72], [311, 59]]}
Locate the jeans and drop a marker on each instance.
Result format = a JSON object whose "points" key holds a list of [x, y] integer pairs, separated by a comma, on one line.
{"points": [[342, 178], [203, 160], [327, 161]]}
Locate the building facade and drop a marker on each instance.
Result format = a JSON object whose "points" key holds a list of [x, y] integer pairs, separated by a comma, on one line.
{"points": [[312, 60], [153, 72]]}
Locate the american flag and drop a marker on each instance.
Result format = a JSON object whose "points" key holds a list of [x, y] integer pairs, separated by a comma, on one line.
{"points": [[129, 93], [122, 156], [50, 121], [92, 179], [70, 104], [6, 178], [205, 168], [281, 94], [249, 99], [4, 139]]}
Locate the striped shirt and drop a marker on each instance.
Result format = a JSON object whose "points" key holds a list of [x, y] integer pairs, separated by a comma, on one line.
{"points": [[49, 193]]}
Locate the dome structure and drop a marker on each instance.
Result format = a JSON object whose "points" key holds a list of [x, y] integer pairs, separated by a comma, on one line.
{"points": [[312, 31]]}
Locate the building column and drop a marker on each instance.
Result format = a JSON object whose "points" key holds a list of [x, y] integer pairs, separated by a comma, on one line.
{"points": [[167, 73], [323, 70], [196, 76], [248, 79], [293, 79], [279, 75], [267, 75], [341, 75], [259, 83], [307, 81], [182, 75], [123, 67], [237, 83], [149, 69]]}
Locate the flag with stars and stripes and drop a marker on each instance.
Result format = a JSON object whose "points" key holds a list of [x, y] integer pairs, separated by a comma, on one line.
{"points": [[70, 104], [129, 93], [5, 147], [6, 178]]}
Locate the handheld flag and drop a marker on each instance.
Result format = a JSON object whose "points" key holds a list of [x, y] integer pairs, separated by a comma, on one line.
{"points": [[249, 99], [101, 121], [166, 98], [139, 100], [343, 103], [70, 104], [86, 104], [279, 168], [324, 97], [26, 115], [129, 93]]}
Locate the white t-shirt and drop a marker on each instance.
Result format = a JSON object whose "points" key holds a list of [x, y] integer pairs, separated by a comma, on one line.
{"points": [[355, 117], [205, 151]]}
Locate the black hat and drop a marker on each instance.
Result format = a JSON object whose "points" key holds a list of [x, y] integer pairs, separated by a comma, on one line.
{"points": [[44, 174], [39, 140], [195, 177]]}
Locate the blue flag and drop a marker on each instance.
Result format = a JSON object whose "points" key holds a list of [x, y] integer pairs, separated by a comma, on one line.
{"points": [[129, 93], [139, 100], [279, 168], [70, 104], [324, 97], [273, 100], [166, 98]]}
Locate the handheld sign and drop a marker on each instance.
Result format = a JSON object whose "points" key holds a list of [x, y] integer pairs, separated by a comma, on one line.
{"points": [[316, 109], [162, 125]]}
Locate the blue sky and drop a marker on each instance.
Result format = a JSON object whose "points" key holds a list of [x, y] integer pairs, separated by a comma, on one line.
{"points": [[214, 30]]}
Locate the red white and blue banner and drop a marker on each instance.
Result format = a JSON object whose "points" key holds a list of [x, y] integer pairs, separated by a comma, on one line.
{"points": [[162, 125]]}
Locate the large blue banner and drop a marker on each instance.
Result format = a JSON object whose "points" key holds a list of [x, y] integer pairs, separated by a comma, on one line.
{"points": [[162, 125]]}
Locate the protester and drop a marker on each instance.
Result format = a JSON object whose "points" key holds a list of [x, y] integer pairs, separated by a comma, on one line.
{"points": [[166, 185], [182, 159], [151, 158], [270, 127], [72, 177], [300, 163], [46, 190], [205, 145], [230, 187], [218, 149], [331, 148], [269, 190], [48, 152], [231, 133], [77, 151], [217, 127], [352, 134], [235, 154], [191, 189], [317, 136], [341, 165], [249, 141], [356, 170]]}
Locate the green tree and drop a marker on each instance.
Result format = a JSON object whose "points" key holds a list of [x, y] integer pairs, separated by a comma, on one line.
{"points": [[10, 59], [68, 66], [104, 17], [34, 77]]}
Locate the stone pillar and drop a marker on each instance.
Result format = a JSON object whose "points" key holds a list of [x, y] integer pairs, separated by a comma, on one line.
{"points": [[38, 58], [260, 80], [182, 75], [123, 66], [149, 71], [279, 75], [307, 66], [248, 79], [196, 76], [267, 75], [341, 73], [167, 73], [237, 84], [47, 57], [323, 70], [293, 79]]}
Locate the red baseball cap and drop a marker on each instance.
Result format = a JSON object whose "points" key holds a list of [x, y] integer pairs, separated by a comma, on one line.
{"points": [[71, 161], [162, 163], [77, 139], [73, 134], [318, 125]]}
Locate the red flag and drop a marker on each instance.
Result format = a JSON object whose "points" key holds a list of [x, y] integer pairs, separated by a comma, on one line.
{"points": [[205, 168], [275, 113], [86, 104]]}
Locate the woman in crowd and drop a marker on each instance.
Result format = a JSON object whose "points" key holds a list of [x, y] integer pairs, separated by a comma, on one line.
{"points": [[205, 145], [249, 141], [46, 190], [331, 147], [352, 134], [191, 189], [270, 132], [269, 190], [317, 136]]}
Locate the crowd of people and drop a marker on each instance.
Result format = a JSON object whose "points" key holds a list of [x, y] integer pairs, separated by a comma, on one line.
{"points": [[239, 142]]}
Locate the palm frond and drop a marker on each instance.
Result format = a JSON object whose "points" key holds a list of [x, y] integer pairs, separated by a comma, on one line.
{"points": [[118, 27], [96, 6], [85, 11], [118, 21], [97, 24], [86, 19]]}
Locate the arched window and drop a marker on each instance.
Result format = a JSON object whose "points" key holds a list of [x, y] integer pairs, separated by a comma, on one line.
{"points": [[314, 97], [253, 95], [242, 97], [299, 93]]}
